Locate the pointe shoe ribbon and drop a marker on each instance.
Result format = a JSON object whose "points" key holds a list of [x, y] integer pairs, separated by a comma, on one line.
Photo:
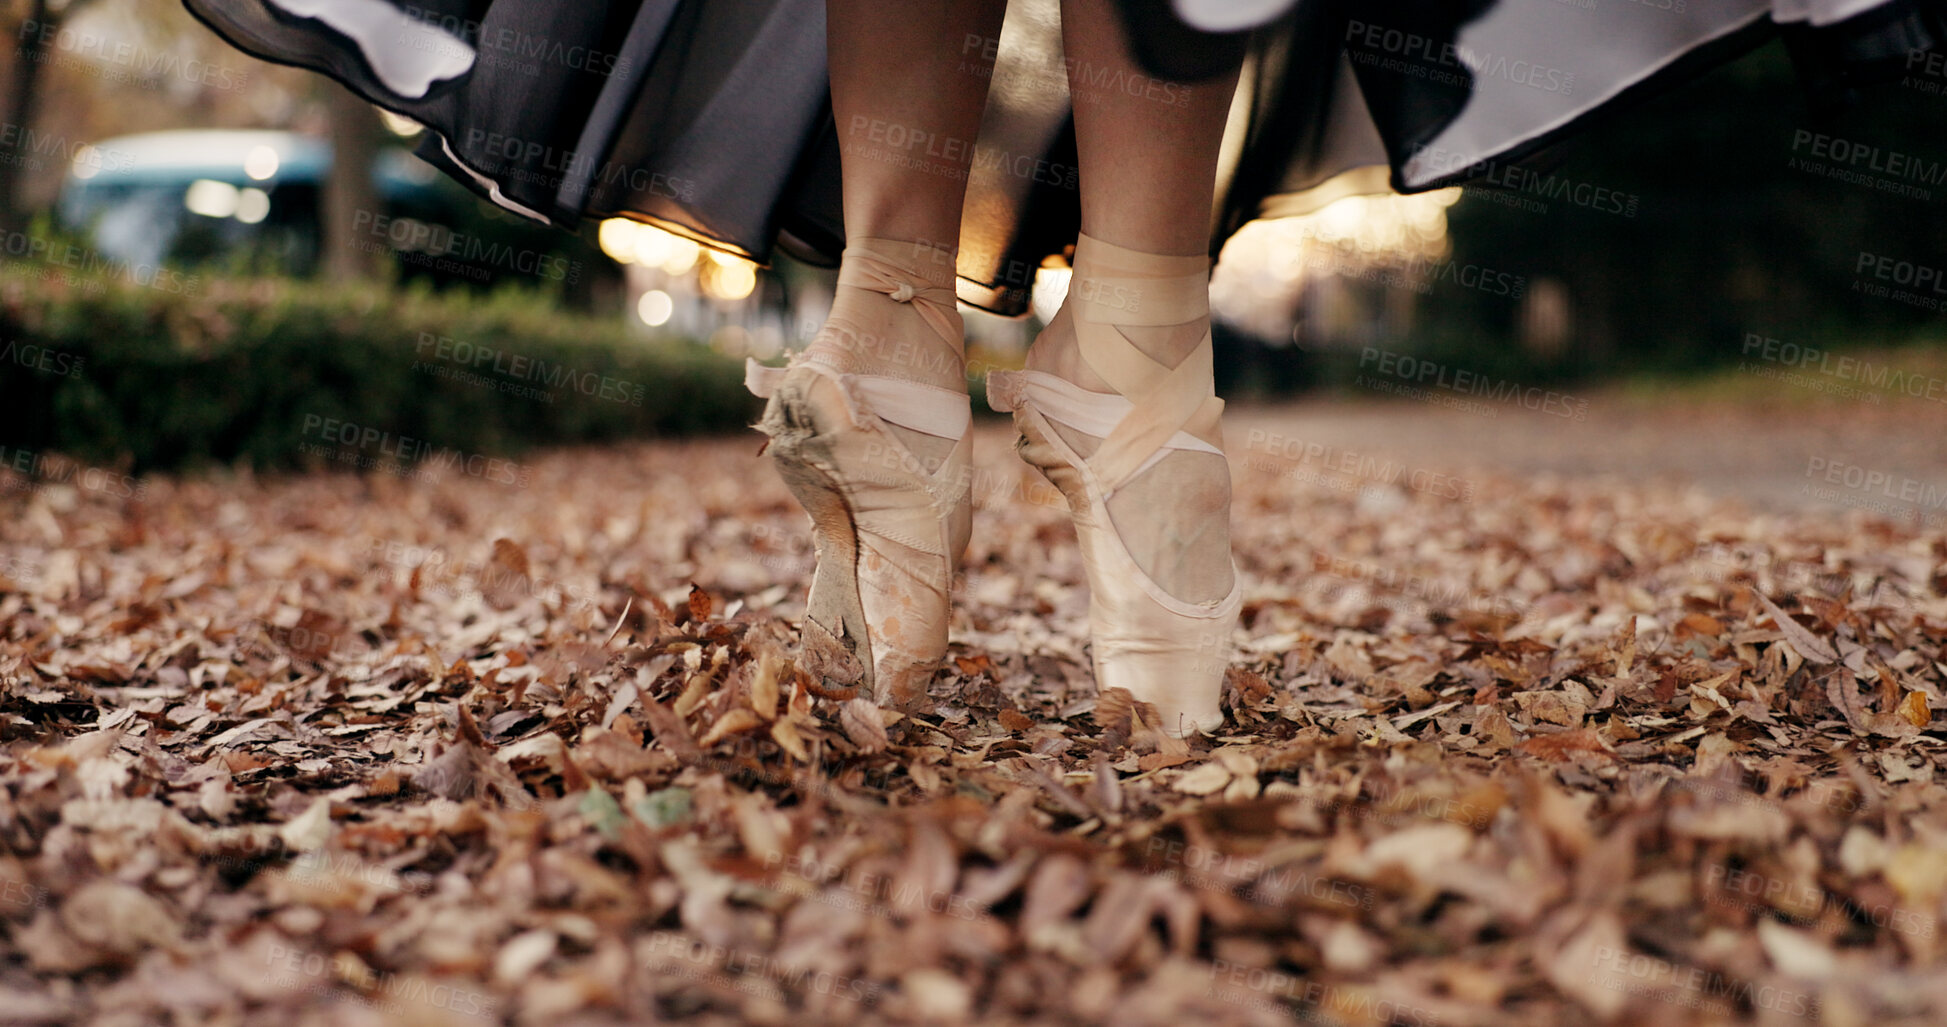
{"points": [[869, 398], [1165, 650], [1171, 400], [889, 528], [863, 265]]}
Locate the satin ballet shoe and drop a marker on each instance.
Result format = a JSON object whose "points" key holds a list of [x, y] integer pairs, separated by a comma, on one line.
{"points": [[1165, 649], [888, 525]]}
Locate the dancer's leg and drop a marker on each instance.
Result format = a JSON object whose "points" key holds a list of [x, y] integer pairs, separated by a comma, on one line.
{"points": [[907, 111], [869, 426], [1148, 165], [1147, 148]]}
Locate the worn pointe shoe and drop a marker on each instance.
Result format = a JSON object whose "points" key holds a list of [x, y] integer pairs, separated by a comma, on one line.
{"points": [[889, 522], [1167, 649]]}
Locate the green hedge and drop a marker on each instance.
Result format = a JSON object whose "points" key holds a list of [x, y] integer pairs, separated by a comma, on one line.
{"points": [[185, 371]]}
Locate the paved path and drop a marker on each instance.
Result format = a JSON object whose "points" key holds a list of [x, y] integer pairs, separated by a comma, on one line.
{"points": [[1831, 456]]}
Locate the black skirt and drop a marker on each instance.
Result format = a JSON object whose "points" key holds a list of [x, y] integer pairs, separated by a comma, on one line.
{"points": [[713, 120]]}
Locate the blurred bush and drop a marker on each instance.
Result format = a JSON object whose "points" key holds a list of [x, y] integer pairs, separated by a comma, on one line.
{"points": [[181, 370]]}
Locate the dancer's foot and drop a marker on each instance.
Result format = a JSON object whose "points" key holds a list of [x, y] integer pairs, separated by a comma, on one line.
{"points": [[1117, 409], [868, 427]]}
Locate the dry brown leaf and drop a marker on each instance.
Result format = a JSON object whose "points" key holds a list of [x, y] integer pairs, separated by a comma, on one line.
{"points": [[785, 733], [1560, 744], [864, 725], [764, 685], [1914, 709], [1806, 644], [670, 730], [120, 919], [505, 580], [1113, 709], [1593, 964], [1161, 760], [696, 691], [1203, 780], [157, 729], [735, 721], [1626, 647], [700, 603]]}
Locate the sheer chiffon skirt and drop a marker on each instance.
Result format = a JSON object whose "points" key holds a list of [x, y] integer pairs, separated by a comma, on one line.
{"points": [[711, 118]]}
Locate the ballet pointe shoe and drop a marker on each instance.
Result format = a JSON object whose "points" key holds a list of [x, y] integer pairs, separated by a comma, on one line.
{"points": [[1165, 649], [888, 523]]}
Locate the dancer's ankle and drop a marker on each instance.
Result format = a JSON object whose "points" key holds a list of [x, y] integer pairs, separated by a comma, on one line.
{"points": [[914, 333]]}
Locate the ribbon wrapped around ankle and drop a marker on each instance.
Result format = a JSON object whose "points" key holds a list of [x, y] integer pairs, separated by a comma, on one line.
{"points": [[861, 268], [869, 399]]}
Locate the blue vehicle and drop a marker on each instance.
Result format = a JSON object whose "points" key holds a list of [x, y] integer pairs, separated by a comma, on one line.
{"points": [[251, 201]]}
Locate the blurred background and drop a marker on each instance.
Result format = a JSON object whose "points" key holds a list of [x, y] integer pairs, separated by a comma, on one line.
{"points": [[198, 247]]}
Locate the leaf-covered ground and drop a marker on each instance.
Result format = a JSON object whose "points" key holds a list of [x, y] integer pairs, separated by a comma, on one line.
{"points": [[1506, 749]]}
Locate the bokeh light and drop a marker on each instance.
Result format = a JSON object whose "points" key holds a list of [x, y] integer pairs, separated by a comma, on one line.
{"points": [[617, 239], [1264, 267], [253, 205], [679, 254], [261, 163], [211, 198], [732, 281], [655, 307]]}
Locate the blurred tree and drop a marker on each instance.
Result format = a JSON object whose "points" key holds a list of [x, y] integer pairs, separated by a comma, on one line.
{"points": [[34, 33], [355, 132]]}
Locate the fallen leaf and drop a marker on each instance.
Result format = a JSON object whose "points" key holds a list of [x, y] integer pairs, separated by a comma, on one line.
{"points": [[1808, 645], [1203, 779], [1914, 709], [864, 725]]}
